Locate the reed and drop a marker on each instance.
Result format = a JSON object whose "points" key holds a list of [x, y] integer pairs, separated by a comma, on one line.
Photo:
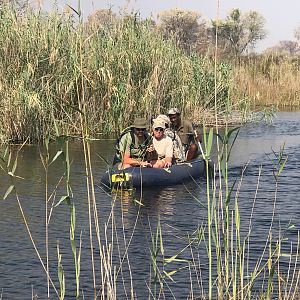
{"points": [[72, 105], [127, 69], [268, 80], [231, 271], [228, 250]]}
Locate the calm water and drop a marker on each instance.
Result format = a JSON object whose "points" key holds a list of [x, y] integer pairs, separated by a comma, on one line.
{"points": [[178, 209]]}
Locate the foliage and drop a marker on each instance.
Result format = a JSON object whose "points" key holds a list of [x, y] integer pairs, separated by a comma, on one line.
{"points": [[101, 19], [289, 48], [187, 27], [239, 31], [19, 4]]}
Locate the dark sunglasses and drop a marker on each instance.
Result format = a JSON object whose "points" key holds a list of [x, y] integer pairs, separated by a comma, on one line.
{"points": [[159, 129], [140, 129]]}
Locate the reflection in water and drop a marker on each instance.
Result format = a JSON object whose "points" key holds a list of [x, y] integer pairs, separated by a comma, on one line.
{"points": [[160, 200], [177, 208]]}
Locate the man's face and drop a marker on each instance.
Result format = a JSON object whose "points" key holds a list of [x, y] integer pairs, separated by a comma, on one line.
{"points": [[175, 119], [139, 131], [158, 132]]}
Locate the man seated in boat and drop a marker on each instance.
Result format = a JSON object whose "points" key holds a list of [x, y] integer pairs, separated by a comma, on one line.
{"points": [[162, 144], [178, 150], [133, 145], [185, 130]]}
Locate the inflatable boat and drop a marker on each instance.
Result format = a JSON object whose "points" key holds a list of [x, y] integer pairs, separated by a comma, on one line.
{"points": [[139, 177]]}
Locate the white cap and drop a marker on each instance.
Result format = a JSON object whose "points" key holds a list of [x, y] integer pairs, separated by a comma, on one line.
{"points": [[158, 123], [173, 111], [162, 118]]}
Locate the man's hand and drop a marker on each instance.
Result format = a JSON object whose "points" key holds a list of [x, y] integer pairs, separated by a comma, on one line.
{"points": [[145, 164], [168, 165], [151, 154], [150, 148], [197, 136]]}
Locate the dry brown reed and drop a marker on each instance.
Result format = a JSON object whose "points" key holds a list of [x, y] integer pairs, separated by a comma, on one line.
{"points": [[268, 80]]}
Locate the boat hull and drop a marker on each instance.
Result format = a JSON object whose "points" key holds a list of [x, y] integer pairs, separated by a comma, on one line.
{"points": [[146, 177]]}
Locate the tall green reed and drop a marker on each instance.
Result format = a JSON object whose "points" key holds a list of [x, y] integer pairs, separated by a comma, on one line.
{"points": [[69, 199], [86, 80], [127, 69], [9, 163], [228, 253]]}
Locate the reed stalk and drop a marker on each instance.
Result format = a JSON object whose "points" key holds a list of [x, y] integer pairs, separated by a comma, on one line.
{"points": [[74, 82], [228, 253], [267, 80], [128, 69], [45, 162]]}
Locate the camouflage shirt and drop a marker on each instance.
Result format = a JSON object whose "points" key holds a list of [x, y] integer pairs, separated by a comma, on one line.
{"points": [[134, 148], [178, 151]]}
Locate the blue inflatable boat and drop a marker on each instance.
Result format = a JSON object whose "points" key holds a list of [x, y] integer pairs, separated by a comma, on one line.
{"points": [[146, 177]]}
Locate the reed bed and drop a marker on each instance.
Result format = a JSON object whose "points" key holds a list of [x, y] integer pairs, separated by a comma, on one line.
{"points": [[268, 80], [127, 69]]}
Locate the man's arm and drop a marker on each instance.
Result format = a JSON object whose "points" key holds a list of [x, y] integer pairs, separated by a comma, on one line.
{"points": [[134, 162], [193, 134], [169, 153]]}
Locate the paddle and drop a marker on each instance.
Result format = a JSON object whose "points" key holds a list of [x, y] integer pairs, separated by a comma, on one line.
{"points": [[199, 144], [195, 134]]}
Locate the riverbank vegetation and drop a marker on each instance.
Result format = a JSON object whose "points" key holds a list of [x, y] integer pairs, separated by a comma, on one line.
{"points": [[52, 67], [269, 80], [52, 64]]}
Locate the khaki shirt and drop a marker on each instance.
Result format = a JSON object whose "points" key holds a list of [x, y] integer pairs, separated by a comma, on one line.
{"points": [[185, 132]]}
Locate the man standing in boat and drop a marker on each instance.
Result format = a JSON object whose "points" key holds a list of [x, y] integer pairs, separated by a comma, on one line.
{"points": [[185, 130], [132, 146]]}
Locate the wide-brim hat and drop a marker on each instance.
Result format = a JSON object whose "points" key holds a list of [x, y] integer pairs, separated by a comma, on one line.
{"points": [[139, 123], [173, 111]]}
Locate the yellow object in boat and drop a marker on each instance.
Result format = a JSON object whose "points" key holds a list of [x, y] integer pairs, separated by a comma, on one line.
{"points": [[120, 177]]}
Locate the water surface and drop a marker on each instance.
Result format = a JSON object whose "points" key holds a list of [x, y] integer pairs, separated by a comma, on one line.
{"points": [[180, 209]]}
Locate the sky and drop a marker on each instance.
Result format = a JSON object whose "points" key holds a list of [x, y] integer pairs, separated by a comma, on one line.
{"points": [[282, 17]]}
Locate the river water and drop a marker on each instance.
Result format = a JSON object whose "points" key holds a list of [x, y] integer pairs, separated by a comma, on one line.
{"points": [[181, 210]]}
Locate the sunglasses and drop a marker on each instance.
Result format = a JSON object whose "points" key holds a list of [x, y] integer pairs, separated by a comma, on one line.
{"points": [[159, 129], [140, 129]]}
